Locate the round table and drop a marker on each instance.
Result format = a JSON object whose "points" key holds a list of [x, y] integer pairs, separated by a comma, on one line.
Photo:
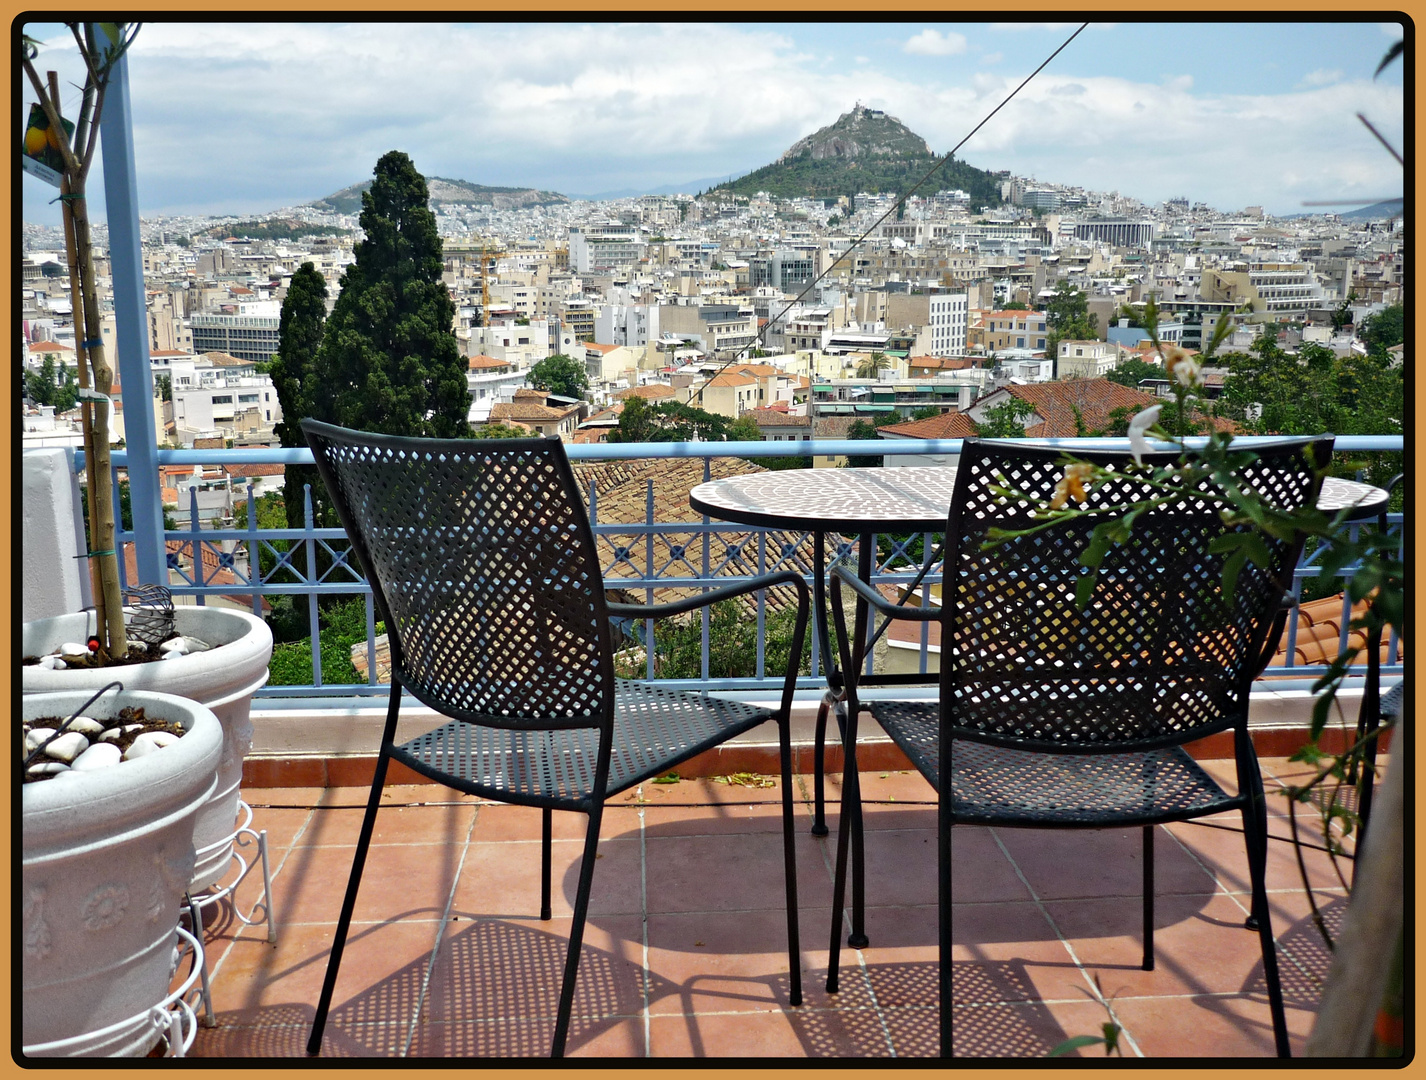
{"points": [[912, 499]]}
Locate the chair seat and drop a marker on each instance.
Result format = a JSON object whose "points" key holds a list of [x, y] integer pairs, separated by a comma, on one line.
{"points": [[996, 785], [654, 728]]}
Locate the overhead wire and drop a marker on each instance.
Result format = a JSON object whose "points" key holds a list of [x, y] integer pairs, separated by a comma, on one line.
{"points": [[900, 202]]}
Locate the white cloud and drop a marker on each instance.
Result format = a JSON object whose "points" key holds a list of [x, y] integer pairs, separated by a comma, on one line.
{"points": [[1321, 77], [262, 116], [933, 43], [992, 58]]}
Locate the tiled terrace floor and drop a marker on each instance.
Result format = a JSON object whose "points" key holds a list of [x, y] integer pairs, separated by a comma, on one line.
{"points": [[684, 952]]}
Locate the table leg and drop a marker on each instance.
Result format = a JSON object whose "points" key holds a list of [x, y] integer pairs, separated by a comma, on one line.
{"points": [[852, 789], [829, 666]]}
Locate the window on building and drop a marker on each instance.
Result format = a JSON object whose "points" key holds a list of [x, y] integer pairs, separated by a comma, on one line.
{"points": [[222, 399]]}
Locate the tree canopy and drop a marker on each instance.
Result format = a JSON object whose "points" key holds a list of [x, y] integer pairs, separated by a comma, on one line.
{"points": [[293, 372], [1006, 420], [560, 374], [668, 421], [389, 361], [1067, 318]]}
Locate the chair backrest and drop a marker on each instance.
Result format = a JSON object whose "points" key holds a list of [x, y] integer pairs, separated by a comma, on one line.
{"points": [[1158, 657], [483, 565]]}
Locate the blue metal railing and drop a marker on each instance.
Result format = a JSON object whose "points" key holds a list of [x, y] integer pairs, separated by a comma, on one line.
{"points": [[642, 556]]}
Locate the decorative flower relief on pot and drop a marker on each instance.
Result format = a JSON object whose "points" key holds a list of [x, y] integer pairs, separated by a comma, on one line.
{"points": [[104, 907], [37, 931]]}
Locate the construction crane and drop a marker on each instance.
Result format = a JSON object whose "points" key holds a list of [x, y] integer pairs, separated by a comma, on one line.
{"points": [[488, 255]]}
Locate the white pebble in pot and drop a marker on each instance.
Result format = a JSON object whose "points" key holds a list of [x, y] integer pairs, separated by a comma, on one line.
{"points": [[73, 648], [86, 726], [174, 645], [99, 756], [115, 733], [67, 747], [37, 736], [148, 742], [47, 768]]}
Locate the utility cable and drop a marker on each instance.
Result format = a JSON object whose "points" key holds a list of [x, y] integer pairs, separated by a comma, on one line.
{"points": [[900, 202]]}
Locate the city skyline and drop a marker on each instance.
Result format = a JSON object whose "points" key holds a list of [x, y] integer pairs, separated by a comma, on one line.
{"points": [[249, 118]]}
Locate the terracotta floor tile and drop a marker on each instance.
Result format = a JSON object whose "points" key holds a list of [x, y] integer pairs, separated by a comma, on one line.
{"points": [[282, 824], [1229, 1026], [1068, 863], [504, 878], [501, 821], [522, 1038], [707, 819], [396, 824], [732, 873], [382, 969], [1200, 945], [1223, 848], [737, 962], [1023, 1029], [510, 969], [284, 1032], [980, 872], [886, 787], [411, 881], [771, 1034]]}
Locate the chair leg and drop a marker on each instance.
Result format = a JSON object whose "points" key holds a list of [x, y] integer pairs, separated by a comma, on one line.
{"points": [[789, 863], [1255, 827], [546, 837], [576, 930], [819, 769], [1148, 898], [852, 815], [839, 890], [344, 920]]}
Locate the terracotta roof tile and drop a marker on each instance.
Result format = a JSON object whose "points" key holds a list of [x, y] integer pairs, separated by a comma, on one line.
{"points": [[949, 425]]}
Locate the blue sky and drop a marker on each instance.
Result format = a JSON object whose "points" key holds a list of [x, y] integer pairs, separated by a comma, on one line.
{"points": [[245, 118]]}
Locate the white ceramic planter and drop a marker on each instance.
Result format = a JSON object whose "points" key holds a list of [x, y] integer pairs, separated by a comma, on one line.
{"points": [[223, 678], [107, 855]]}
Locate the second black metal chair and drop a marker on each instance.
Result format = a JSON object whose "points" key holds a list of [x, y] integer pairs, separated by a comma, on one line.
{"points": [[483, 565], [1052, 715]]}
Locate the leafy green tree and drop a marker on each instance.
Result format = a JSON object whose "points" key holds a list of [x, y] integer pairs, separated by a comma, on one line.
{"points": [[293, 371], [48, 387], [1067, 318], [732, 644], [870, 367], [498, 431], [668, 421], [1386, 328], [1342, 316], [744, 429], [863, 430], [389, 360], [164, 385], [1016, 305], [560, 374], [925, 412], [1006, 420], [1133, 371]]}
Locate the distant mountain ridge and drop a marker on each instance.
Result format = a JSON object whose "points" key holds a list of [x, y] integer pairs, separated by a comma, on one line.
{"points": [[447, 191], [863, 150]]}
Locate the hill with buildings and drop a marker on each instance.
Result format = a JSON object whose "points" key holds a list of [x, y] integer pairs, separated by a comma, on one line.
{"points": [[446, 191], [864, 150]]}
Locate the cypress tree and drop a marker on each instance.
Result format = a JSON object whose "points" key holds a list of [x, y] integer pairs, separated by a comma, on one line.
{"points": [[389, 361], [304, 317]]}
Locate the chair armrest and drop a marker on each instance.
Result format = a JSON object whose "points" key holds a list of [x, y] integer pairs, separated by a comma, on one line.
{"points": [[841, 572], [693, 603]]}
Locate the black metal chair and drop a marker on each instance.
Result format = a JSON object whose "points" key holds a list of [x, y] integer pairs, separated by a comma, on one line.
{"points": [[1054, 717], [483, 565]]}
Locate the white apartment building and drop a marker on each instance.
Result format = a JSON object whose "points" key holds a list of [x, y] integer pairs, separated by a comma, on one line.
{"points": [[949, 315], [604, 247], [227, 405], [1086, 359], [626, 324]]}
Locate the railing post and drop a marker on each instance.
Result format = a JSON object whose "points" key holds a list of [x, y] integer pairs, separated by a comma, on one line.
{"points": [[132, 328], [313, 627], [254, 553], [195, 542]]}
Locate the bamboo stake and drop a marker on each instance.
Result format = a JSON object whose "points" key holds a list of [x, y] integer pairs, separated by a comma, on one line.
{"points": [[81, 357]]}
